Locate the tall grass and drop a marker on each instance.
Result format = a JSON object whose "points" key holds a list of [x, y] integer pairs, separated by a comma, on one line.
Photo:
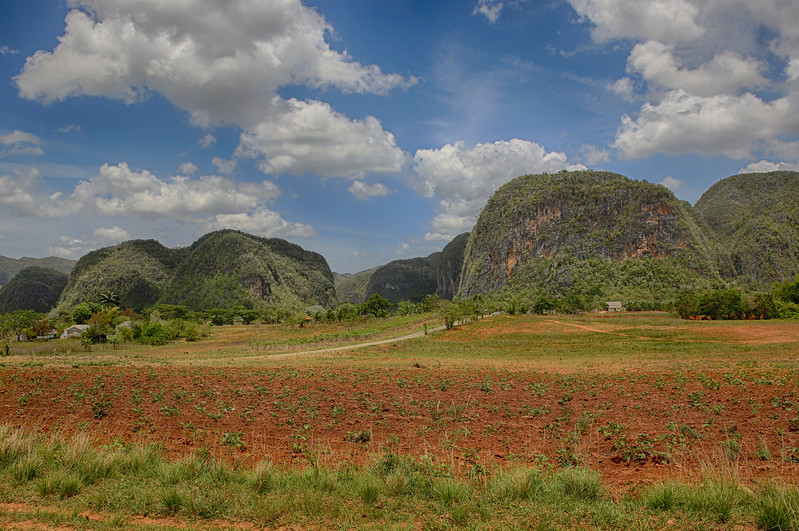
{"points": [[57, 477]]}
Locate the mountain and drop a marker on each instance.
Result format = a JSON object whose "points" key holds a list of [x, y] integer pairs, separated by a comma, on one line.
{"points": [[221, 269], [34, 288], [137, 271], [228, 268], [450, 267], [352, 287], [595, 235], [11, 266], [415, 278], [755, 219]]}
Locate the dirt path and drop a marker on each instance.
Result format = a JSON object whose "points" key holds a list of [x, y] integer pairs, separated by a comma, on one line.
{"points": [[349, 347]]}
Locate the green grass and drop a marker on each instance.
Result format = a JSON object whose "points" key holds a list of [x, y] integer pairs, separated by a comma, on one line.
{"points": [[119, 484]]}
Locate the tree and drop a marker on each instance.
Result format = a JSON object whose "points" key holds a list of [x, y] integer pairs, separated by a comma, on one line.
{"points": [[84, 311], [12, 324], [377, 305], [109, 298]]}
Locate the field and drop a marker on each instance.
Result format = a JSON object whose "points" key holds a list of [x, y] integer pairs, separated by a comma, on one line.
{"points": [[644, 400]]}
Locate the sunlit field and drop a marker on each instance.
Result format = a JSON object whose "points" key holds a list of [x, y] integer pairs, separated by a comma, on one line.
{"points": [[598, 420]]}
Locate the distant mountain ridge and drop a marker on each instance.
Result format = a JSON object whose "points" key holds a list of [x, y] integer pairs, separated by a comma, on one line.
{"points": [[11, 266]]}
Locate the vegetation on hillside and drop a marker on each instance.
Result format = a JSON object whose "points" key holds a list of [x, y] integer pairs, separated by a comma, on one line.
{"points": [[754, 218], [589, 236], [33, 288], [352, 288], [11, 266]]}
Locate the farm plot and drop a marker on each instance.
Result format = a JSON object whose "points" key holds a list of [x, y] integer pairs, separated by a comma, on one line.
{"points": [[636, 399]]}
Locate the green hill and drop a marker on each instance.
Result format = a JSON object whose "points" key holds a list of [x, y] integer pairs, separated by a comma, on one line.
{"points": [[755, 219], [228, 268], [352, 287], [594, 235], [221, 269], [11, 266], [33, 288]]}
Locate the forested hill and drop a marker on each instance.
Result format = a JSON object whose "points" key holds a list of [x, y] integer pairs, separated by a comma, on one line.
{"points": [[754, 218], [592, 235], [11, 266], [221, 269]]}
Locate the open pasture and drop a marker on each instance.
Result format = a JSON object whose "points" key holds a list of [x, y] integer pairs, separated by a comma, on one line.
{"points": [[638, 398]]}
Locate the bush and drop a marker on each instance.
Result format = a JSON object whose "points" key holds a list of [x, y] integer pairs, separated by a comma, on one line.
{"points": [[156, 334]]}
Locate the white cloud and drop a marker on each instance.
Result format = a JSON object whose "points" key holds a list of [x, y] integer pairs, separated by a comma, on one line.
{"points": [[363, 191], [402, 249], [593, 156], [188, 168], [21, 143], [663, 20], [765, 166], [726, 73], [683, 122], [624, 88], [310, 137], [710, 73], [221, 61], [224, 166], [673, 183], [263, 222], [490, 9], [120, 191], [464, 178], [74, 247], [71, 128], [5, 50], [207, 141]]}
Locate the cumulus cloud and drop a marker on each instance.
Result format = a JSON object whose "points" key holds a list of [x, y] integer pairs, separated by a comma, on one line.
{"points": [[464, 178], [707, 72], [672, 183], [624, 88], [207, 141], [5, 50], [765, 166], [188, 168], [726, 73], [20, 143], [310, 137], [363, 191], [490, 9], [76, 246], [663, 20], [263, 222], [225, 166], [592, 155], [223, 62], [120, 191], [683, 122]]}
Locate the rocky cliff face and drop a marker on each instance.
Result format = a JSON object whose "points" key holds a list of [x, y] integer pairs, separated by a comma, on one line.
{"points": [[755, 219], [536, 219]]}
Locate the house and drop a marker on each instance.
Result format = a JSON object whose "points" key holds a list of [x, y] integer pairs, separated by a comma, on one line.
{"points": [[74, 331], [615, 306], [52, 334]]}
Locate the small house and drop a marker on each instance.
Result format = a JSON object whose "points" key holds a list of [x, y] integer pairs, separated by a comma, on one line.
{"points": [[614, 306], [74, 331]]}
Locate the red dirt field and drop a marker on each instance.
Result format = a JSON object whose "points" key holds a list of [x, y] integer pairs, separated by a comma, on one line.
{"points": [[633, 427]]}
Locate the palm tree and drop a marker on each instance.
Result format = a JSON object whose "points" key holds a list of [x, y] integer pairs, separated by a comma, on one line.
{"points": [[109, 298]]}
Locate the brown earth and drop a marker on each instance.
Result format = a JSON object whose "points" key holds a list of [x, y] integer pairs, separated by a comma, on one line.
{"points": [[633, 426]]}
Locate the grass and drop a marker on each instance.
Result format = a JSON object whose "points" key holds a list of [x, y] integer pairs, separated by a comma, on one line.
{"points": [[118, 484]]}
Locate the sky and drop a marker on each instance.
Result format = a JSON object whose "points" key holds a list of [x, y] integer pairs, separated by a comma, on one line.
{"points": [[369, 131]]}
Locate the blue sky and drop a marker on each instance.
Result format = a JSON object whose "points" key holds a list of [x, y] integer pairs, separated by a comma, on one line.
{"points": [[368, 131]]}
